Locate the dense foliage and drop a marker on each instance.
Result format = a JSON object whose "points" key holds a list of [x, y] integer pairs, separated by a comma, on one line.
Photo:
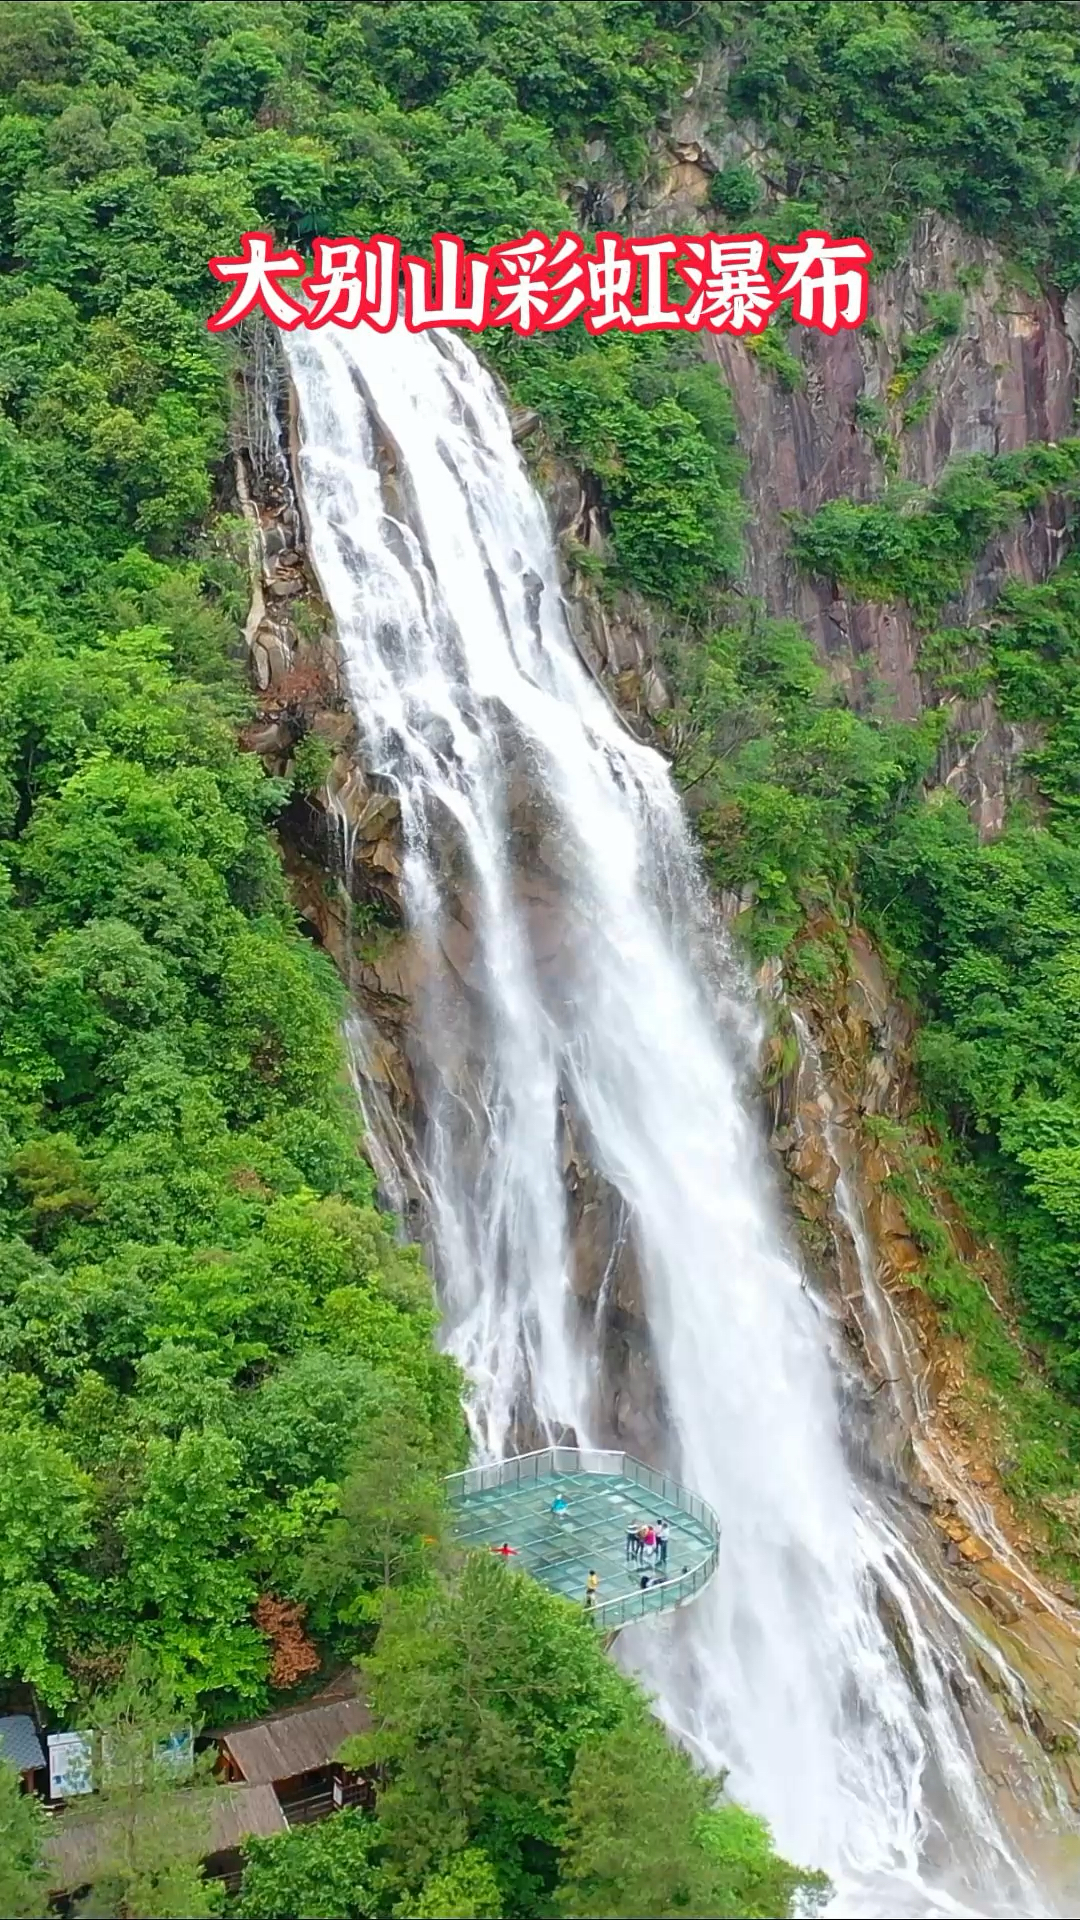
{"points": [[879, 111], [217, 1378], [655, 431], [520, 1754], [201, 1314], [787, 785], [907, 547], [525, 1776], [989, 935], [986, 934], [23, 1883], [141, 139]]}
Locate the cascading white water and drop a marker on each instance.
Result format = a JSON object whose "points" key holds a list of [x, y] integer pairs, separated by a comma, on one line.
{"points": [[435, 556]]}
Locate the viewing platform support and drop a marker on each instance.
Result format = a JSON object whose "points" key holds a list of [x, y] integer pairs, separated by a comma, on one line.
{"points": [[603, 1496]]}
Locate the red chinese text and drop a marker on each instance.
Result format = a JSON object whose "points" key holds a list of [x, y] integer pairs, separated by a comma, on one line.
{"points": [[716, 282]]}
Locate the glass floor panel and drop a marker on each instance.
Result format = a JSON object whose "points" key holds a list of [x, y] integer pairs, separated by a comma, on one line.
{"points": [[559, 1549]]}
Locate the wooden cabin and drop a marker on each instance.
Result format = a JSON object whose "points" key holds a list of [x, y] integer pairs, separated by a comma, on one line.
{"points": [[295, 1752]]}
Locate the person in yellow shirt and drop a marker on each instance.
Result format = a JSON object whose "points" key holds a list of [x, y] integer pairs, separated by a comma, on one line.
{"points": [[591, 1585]]}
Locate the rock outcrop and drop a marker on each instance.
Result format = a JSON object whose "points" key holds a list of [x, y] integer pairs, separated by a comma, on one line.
{"points": [[844, 1107], [847, 422], [1006, 379]]}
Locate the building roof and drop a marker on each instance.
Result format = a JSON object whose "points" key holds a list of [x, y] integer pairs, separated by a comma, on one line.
{"points": [[76, 1844], [296, 1741], [240, 1811], [19, 1743]]}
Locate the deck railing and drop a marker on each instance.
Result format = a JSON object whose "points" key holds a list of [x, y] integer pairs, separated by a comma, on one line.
{"points": [[660, 1596]]}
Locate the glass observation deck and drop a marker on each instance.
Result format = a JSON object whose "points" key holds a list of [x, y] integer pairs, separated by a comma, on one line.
{"points": [[604, 1496]]}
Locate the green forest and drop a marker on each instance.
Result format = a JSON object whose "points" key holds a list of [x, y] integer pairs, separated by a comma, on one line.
{"points": [[218, 1377]]}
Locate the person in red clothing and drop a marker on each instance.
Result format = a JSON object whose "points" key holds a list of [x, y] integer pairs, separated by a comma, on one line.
{"points": [[504, 1550]]}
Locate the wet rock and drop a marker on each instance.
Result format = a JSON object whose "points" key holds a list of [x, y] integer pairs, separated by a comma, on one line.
{"points": [[274, 739], [458, 945], [974, 1549], [811, 1162], [283, 586], [378, 813], [997, 1602], [1052, 1734], [654, 693]]}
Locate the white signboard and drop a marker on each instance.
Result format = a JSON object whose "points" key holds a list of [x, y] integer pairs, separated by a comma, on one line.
{"points": [[173, 1759], [71, 1765], [175, 1755]]}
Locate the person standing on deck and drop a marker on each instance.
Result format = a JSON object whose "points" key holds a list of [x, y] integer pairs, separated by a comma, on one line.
{"points": [[662, 1532], [591, 1585]]}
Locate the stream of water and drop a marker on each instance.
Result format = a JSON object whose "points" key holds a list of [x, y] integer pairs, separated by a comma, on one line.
{"points": [[570, 968]]}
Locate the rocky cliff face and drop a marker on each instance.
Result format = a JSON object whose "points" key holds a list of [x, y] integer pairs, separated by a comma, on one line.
{"points": [[846, 425], [1005, 379], [843, 1103]]}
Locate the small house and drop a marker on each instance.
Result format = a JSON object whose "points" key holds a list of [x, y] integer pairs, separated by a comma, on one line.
{"points": [[21, 1747], [295, 1752]]}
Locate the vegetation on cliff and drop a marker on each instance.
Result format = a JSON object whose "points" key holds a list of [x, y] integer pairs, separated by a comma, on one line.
{"points": [[862, 117], [984, 935], [877, 112]]}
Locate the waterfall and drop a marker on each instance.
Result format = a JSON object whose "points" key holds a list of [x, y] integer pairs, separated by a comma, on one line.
{"points": [[569, 979]]}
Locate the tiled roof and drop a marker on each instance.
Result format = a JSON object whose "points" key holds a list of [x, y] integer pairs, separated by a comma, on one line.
{"points": [[297, 1741], [19, 1743]]}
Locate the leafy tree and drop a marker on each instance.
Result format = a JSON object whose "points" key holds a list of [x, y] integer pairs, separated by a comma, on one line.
{"points": [[23, 1880], [389, 1523], [526, 1772], [44, 1521], [643, 1835], [749, 1877], [481, 1691], [237, 72], [178, 1534], [313, 1870], [308, 1419], [465, 1889]]}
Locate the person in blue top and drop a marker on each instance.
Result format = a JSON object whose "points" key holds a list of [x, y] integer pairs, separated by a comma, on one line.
{"points": [[559, 1505]]}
